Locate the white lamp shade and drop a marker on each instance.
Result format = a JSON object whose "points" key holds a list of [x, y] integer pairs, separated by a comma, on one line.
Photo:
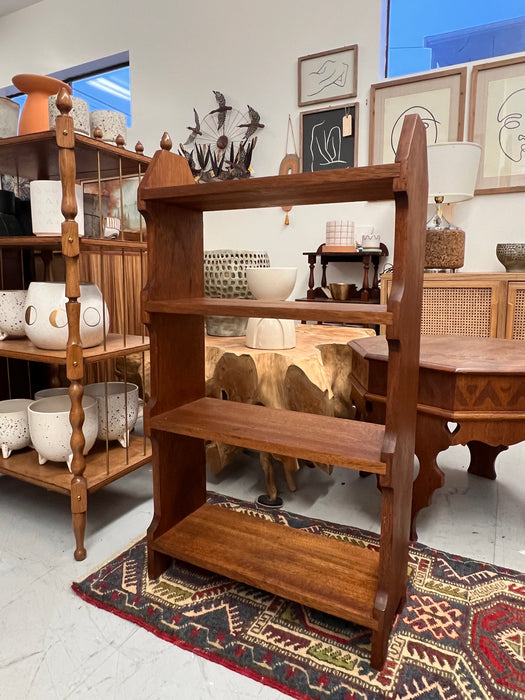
{"points": [[452, 170]]}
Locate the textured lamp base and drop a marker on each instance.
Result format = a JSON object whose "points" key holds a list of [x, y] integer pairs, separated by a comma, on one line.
{"points": [[444, 249]]}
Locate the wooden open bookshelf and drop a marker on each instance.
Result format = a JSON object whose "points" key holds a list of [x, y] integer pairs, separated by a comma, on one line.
{"points": [[71, 157], [366, 587]]}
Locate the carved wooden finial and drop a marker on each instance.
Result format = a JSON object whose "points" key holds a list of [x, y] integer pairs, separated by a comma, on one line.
{"points": [[166, 143], [139, 147], [97, 133], [120, 141], [64, 101]]}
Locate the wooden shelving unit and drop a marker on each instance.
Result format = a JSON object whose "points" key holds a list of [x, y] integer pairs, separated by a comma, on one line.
{"points": [[72, 157], [363, 586]]}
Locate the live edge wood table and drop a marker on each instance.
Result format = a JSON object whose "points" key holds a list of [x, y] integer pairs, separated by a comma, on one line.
{"points": [[478, 384]]}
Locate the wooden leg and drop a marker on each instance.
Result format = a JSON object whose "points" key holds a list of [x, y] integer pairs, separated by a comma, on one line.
{"points": [[432, 436], [483, 458], [267, 465], [157, 563], [78, 514]]}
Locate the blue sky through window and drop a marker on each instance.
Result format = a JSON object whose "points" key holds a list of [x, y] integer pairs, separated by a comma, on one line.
{"points": [[411, 21]]}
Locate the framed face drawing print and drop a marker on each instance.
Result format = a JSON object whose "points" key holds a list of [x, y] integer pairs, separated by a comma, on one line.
{"points": [[328, 76], [438, 98], [497, 123]]}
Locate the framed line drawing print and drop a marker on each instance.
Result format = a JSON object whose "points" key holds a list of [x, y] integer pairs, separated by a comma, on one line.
{"points": [[324, 145], [438, 98], [327, 76], [497, 123]]}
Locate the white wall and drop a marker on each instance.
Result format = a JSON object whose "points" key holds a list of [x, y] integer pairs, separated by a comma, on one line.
{"points": [[181, 50]]}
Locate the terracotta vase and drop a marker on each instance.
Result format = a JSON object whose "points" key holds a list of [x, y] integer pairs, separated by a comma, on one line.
{"points": [[35, 112]]}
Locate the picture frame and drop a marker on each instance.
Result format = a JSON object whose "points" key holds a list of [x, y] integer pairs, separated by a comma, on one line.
{"points": [[327, 76], [496, 121], [323, 145], [117, 199], [438, 97]]}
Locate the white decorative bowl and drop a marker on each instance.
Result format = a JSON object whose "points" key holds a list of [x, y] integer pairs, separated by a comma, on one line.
{"points": [[51, 430], [118, 404], [45, 320], [12, 307], [51, 391], [14, 425], [46, 203], [79, 112], [271, 283], [111, 124], [9, 111]]}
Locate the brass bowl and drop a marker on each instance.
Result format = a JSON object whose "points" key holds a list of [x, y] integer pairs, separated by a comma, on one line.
{"points": [[340, 291]]}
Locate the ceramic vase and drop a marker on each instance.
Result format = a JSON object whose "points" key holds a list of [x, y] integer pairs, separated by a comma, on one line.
{"points": [[271, 284], [46, 207], [118, 408], [79, 112], [45, 319], [9, 111], [12, 307], [225, 278], [112, 124], [35, 112], [14, 425], [50, 429]]}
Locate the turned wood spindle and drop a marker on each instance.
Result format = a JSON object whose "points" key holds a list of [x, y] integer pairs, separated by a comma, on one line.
{"points": [[166, 143]]}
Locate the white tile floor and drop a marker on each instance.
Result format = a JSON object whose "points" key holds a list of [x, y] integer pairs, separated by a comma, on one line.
{"points": [[55, 646]]}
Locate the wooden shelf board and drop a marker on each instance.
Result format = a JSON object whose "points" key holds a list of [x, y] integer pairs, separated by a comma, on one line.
{"points": [[87, 245], [35, 156], [116, 345], [297, 310], [370, 183], [327, 574], [56, 476], [337, 441]]}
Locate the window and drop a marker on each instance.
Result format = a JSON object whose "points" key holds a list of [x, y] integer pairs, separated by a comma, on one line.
{"points": [[425, 35], [102, 84]]}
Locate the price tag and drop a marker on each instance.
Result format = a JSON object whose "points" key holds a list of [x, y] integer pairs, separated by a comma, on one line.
{"points": [[347, 125]]}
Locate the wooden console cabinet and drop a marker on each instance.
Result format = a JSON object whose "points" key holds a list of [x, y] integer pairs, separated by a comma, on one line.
{"points": [[367, 587], [478, 304]]}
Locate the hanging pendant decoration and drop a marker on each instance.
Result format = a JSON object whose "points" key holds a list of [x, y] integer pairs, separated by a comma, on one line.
{"points": [[289, 165]]}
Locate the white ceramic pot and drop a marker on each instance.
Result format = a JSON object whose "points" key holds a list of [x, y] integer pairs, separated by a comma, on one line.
{"points": [[118, 404], [9, 111], [46, 202], [45, 320], [12, 307], [79, 112], [272, 284], [14, 425], [50, 429], [51, 391], [111, 124]]}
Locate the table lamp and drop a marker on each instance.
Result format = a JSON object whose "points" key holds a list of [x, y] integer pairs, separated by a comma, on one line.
{"points": [[452, 174]]}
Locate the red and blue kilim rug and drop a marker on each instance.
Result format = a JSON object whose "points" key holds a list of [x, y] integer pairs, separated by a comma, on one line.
{"points": [[461, 634]]}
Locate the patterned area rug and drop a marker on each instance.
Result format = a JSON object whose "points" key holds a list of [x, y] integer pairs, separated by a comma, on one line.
{"points": [[460, 635]]}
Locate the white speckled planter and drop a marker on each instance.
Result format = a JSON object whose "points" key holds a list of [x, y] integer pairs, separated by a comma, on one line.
{"points": [[9, 111], [118, 404], [79, 112], [111, 123], [12, 306], [50, 429], [14, 425], [45, 320]]}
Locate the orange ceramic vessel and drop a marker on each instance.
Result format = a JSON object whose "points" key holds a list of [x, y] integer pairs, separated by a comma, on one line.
{"points": [[35, 113]]}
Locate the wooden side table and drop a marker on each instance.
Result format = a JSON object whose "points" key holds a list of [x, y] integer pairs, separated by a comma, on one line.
{"points": [[368, 292], [476, 383]]}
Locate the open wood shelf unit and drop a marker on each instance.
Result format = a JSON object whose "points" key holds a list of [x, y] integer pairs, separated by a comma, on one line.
{"points": [[73, 157], [367, 587]]}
